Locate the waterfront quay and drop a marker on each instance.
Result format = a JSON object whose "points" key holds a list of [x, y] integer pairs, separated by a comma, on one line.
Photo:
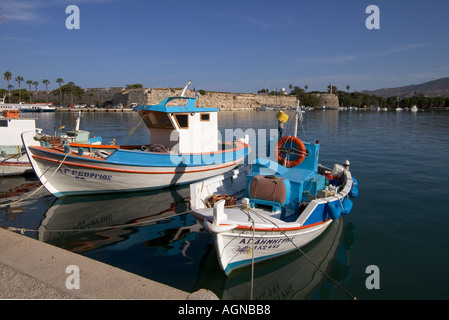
{"points": [[31, 269], [64, 109]]}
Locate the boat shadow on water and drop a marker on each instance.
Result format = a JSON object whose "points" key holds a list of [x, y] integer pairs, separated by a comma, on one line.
{"points": [[85, 223]]}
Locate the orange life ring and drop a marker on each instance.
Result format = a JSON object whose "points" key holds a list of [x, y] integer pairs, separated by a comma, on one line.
{"points": [[300, 151]]}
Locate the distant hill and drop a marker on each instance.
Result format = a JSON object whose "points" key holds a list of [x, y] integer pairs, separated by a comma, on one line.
{"points": [[435, 88]]}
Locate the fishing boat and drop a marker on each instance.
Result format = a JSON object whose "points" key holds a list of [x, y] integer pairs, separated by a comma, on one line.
{"points": [[13, 157], [271, 207], [183, 147]]}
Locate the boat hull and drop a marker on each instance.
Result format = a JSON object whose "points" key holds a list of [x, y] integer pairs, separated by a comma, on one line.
{"points": [[69, 174], [15, 166], [238, 248]]}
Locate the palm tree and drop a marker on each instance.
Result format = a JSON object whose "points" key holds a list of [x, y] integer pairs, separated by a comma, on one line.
{"points": [[348, 87], [19, 79], [8, 76], [306, 87], [10, 87], [29, 83], [46, 82], [60, 81], [35, 84]]}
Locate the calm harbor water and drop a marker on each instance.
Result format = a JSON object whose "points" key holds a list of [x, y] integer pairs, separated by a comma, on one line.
{"points": [[398, 223]]}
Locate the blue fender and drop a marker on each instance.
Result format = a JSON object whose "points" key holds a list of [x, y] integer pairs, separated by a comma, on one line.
{"points": [[354, 192], [347, 206], [333, 211], [354, 182]]}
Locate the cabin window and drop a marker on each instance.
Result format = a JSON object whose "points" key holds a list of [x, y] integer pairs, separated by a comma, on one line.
{"points": [[153, 120], [164, 120], [205, 116], [157, 120], [182, 120], [3, 123]]}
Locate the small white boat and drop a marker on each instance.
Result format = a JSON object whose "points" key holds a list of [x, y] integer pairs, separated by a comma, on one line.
{"points": [[28, 107], [13, 157], [184, 148], [269, 208]]}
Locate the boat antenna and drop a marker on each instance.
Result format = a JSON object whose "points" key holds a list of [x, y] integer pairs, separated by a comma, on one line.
{"points": [[295, 131], [78, 119], [185, 88], [299, 118]]}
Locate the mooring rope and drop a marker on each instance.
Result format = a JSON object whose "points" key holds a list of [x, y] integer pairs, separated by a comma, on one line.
{"points": [[12, 156], [35, 191], [304, 254], [131, 224]]}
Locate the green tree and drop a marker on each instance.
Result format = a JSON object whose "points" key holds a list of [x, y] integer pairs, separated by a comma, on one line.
{"points": [[19, 79], [35, 84], [332, 89], [46, 82], [29, 83], [70, 89], [60, 81], [134, 86], [7, 76]]}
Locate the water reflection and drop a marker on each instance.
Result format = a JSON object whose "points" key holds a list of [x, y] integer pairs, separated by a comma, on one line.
{"points": [[150, 234], [85, 223]]}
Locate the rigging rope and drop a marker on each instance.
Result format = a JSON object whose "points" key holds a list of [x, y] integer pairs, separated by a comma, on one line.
{"points": [[304, 254], [134, 129], [32, 193]]}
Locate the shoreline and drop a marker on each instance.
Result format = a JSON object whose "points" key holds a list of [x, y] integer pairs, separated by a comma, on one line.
{"points": [[31, 269]]}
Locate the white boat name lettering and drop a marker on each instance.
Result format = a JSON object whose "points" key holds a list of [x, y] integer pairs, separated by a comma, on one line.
{"points": [[259, 244], [83, 174]]}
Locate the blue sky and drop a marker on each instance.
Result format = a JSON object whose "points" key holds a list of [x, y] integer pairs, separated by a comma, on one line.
{"points": [[232, 45]]}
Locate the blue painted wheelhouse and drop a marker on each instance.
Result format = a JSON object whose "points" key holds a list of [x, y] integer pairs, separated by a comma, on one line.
{"points": [[272, 206]]}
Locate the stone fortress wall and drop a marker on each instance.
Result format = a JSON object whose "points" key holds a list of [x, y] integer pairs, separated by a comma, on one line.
{"points": [[224, 100], [211, 99]]}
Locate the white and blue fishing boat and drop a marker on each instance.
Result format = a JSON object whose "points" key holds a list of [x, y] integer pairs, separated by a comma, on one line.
{"points": [[184, 147], [271, 207]]}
